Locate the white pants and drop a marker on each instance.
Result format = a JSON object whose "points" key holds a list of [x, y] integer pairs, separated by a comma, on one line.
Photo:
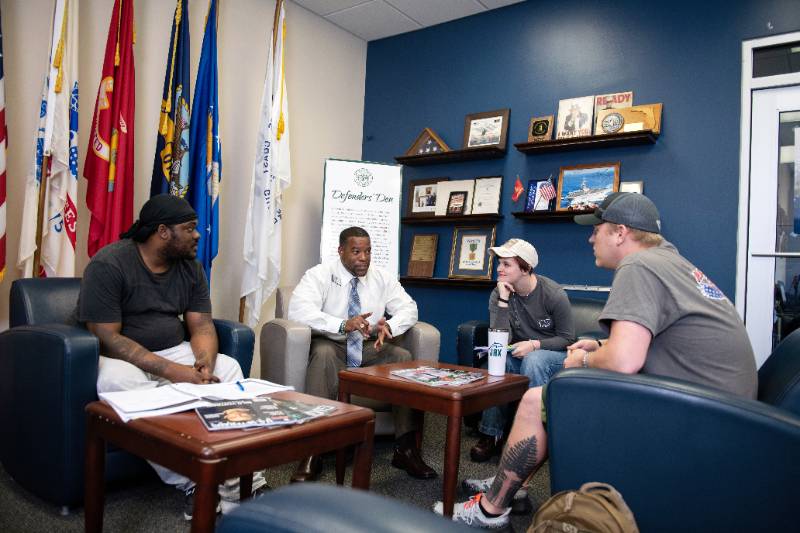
{"points": [[118, 375]]}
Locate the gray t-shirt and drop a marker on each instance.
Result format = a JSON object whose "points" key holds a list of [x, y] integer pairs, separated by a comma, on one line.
{"points": [[544, 315], [697, 334]]}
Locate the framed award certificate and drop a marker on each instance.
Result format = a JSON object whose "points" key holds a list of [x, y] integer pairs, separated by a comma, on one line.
{"points": [[423, 255]]}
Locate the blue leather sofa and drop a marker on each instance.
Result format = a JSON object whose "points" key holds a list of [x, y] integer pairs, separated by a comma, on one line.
{"points": [[48, 373], [475, 332], [684, 457], [318, 508]]}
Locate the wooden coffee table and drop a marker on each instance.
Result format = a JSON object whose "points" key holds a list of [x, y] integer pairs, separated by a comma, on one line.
{"points": [[455, 402], [181, 443]]}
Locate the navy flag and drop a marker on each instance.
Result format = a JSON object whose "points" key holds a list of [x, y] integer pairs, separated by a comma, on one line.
{"points": [[206, 156], [171, 164]]}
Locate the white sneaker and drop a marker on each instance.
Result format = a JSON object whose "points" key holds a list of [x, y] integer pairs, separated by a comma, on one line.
{"points": [[471, 514]]}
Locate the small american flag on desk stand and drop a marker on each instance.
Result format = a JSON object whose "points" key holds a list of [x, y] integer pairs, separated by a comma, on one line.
{"points": [[546, 191]]}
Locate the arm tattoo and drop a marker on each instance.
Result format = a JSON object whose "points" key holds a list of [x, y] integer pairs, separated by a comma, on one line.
{"points": [[120, 347], [516, 464]]}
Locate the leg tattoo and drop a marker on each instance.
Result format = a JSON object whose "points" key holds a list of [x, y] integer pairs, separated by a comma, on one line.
{"points": [[516, 464]]}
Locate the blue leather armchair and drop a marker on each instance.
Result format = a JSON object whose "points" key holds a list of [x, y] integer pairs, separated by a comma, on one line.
{"points": [[684, 457], [585, 312], [48, 373], [318, 508]]}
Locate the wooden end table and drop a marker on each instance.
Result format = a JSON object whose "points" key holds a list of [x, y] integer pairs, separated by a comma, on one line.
{"points": [[181, 443], [455, 402]]}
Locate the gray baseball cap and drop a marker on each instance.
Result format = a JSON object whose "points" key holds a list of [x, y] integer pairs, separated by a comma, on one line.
{"points": [[631, 209]]}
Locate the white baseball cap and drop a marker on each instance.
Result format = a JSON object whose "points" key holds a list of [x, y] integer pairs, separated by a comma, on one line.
{"points": [[517, 248]]}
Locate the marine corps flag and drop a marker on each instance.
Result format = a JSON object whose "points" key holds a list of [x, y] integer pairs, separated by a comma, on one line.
{"points": [[206, 154], [171, 165], [54, 176], [271, 175], [109, 159]]}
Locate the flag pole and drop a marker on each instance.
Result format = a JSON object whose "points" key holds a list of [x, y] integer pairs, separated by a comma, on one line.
{"points": [[37, 254]]}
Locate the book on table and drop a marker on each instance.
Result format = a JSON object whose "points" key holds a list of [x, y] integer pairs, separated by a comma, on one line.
{"points": [[259, 413], [438, 377]]}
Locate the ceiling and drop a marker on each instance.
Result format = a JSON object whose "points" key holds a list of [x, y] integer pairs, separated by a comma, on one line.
{"points": [[376, 19]]}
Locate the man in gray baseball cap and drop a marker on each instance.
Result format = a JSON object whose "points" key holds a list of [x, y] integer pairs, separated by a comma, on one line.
{"points": [[663, 316]]}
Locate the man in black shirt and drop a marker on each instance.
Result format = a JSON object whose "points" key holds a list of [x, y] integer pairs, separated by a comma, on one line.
{"points": [[133, 294]]}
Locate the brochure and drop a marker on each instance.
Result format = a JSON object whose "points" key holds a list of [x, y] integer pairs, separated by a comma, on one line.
{"points": [[259, 413], [438, 377]]}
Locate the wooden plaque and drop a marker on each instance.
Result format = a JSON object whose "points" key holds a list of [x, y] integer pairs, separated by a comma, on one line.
{"points": [[540, 129], [626, 119], [423, 255]]}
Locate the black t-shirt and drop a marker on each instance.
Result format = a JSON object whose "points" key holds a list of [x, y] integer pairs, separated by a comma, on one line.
{"points": [[118, 287]]}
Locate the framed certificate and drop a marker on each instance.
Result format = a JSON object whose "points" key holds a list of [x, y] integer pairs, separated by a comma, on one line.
{"points": [[470, 257], [486, 198], [423, 255]]}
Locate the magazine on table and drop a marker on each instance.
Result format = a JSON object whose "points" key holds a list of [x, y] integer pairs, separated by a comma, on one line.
{"points": [[438, 377], [259, 413]]}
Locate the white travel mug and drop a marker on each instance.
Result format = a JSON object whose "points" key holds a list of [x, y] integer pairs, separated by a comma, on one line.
{"points": [[498, 343]]}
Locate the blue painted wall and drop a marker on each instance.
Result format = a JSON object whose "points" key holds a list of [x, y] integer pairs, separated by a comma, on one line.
{"points": [[526, 57]]}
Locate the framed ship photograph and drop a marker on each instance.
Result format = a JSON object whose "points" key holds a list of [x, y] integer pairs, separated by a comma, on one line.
{"points": [[489, 128], [422, 197], [470, 257], [584, 187], [575, 117]]}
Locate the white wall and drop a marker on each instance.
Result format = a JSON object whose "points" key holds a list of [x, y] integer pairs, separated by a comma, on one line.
{"points": [[325, 83]]}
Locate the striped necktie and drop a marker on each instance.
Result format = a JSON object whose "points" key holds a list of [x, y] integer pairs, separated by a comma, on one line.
{"points": [[355, 340]]}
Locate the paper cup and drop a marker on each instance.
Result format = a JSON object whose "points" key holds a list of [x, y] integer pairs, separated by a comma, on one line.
{"points": [[498, 343]]}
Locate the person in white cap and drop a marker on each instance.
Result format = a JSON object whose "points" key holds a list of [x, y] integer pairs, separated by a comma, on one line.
{"points": [[536, 311], [663, 315]]}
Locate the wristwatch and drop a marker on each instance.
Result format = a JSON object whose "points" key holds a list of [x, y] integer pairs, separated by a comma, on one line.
{"points": [[341, 327], [585, 359]]}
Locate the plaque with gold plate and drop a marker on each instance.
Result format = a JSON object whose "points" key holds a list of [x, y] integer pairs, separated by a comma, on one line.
{"points": [[628, 119], [423, 255], [541, 129]]}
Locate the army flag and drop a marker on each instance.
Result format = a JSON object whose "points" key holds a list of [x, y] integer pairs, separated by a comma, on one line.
{"points": [[56, 158], [109, 159], [271, 175], [206, 156], [171, 164]]}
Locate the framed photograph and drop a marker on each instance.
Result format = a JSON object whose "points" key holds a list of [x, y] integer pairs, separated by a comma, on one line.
{"points": [[455, 205], [575, 117], [422, 197], [446, 187], [631, 186], [486, 129], [470, 257], [423, 255], [541, 129], [541, 193], [487, 195], [584, 187]]}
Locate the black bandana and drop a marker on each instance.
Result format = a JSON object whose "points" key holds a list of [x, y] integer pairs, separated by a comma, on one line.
{"points": [[160, 209]]}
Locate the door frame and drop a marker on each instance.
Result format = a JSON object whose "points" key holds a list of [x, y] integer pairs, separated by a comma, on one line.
{"points": [[749, 85]]}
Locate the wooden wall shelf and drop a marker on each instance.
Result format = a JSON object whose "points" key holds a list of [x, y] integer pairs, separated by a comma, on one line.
{"points": [[453, 156], [454, 219], [448, 282], [550, 216], [595, 141]]}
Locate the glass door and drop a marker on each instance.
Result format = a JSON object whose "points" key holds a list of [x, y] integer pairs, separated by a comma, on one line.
{"points": [[772, 305]]}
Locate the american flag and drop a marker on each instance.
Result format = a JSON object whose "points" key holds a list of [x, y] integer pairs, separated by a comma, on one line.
{"points": [[3, 140], [547, 190]]}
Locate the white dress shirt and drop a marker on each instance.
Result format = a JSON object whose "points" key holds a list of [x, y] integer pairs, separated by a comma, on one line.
{"points": [[320, 299]]}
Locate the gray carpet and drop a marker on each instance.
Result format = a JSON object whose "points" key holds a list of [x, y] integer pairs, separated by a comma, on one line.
{"points": [[153, 507]]}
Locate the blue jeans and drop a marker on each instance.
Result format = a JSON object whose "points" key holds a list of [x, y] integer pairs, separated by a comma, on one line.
{"points": [[539, 366]]}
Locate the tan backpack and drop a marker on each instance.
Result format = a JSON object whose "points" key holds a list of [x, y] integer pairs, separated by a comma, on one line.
{"points": [[596, 507]]}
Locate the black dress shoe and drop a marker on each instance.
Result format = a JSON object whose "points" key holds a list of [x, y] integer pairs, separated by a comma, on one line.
{"points": [[407, 458], [486, 448], [308, 469]]}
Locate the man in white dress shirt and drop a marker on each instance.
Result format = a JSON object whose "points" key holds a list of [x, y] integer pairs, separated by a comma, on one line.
{"points": [[344, 302]]}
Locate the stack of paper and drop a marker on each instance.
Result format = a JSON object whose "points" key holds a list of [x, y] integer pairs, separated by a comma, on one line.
{"points": [[177, 397]]}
